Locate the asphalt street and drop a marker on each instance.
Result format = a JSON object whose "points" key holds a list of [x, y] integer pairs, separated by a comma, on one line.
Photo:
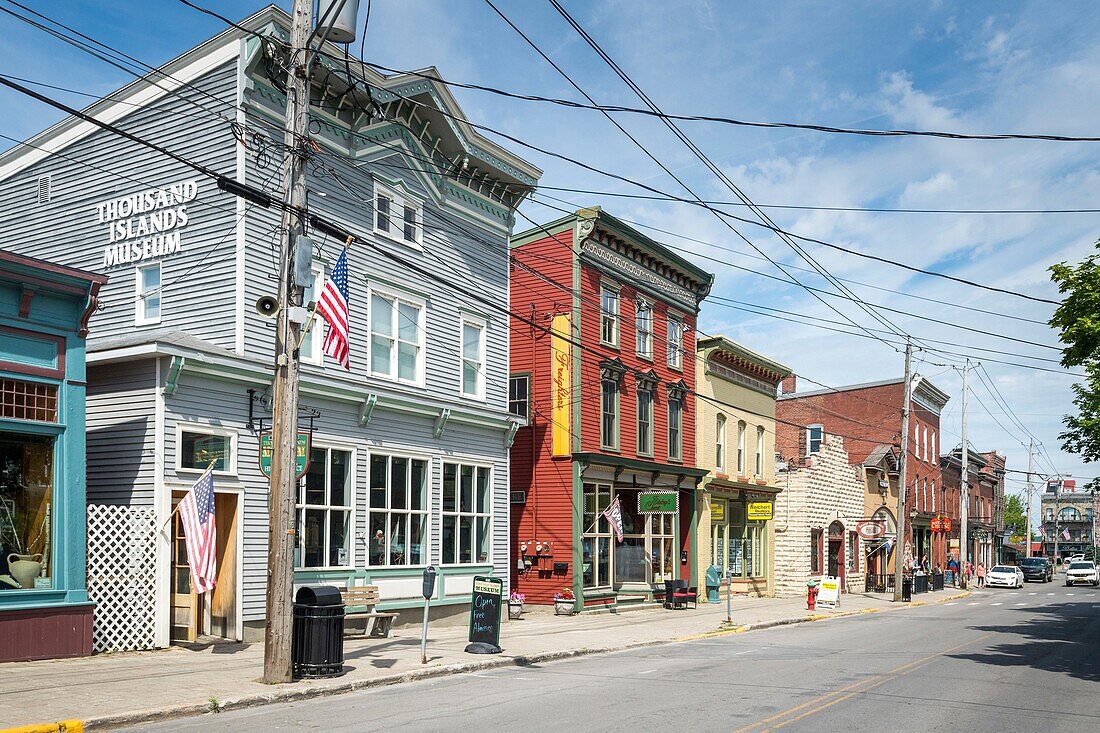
{"points": [[1021, 660]]}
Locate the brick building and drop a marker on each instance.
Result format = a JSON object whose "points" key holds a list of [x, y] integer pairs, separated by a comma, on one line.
{"points": [[817, 511], [606, 380], [867, 416]]}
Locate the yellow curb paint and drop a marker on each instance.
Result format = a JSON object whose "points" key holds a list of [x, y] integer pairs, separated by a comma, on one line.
{"points": [[63, 726]]}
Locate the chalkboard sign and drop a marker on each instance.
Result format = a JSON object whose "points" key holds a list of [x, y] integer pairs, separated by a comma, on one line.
{"points": [[485, 610]]}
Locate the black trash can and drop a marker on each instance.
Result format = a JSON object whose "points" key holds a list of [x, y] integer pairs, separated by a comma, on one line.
{"points": [[907, 589], [317, 639]]}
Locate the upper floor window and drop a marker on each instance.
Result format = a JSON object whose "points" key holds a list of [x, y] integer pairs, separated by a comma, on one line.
{"points": [[609, 315], [814, 436], [148, 294], [473, 358], [720, 444], [924, 444], [311, 339], [397, 337], [609, 410], [643, 323], [741, 447], [759, 452], [675, 343], [519, 395], [675, 428], [645, 421], [397, 216]]}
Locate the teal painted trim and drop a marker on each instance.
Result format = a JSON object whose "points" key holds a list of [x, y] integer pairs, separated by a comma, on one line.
{"points": [[466, 570], [578, 530], [596, 594], [30, 600], [27, 349], [174, 369], [418, 603]]}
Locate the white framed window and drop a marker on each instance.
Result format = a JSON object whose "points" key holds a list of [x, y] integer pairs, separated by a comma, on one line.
{"points": [[916, 442], [609, 315], [645, 421], [759, 452], [398, 216], [924, 444], [741, 456], [519, 395], [720, 444], [197, 446], [397, 337], [324, 510], [935, 454], [675, 428], [467, 513], [609, 411], [473, 357], [643, 325], [675, 343], [815, 434], [398, 511], [147, 288], [312, 339]]}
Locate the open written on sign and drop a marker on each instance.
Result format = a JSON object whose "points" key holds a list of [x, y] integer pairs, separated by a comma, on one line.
{"points": [[485, 610]]}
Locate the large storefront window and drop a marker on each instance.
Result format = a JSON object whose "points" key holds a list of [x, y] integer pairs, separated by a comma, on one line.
{"points": [[467, 509], [738, 547], [26, 510], [398, 511], [324, 511], [647, 554], [598, 537]]}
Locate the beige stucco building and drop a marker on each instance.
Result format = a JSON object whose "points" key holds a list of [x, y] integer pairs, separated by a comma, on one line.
{"points": [[817, 514], [735, 442]]}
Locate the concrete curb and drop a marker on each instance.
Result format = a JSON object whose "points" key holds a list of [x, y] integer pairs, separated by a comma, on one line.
{"points": [[336, 687]]}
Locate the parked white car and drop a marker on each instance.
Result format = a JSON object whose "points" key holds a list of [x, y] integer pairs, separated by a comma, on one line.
{"points": [[1005, 576], [1082, 571]]}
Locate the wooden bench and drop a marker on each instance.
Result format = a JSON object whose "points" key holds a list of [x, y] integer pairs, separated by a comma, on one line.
{"points": [[366, 597]]}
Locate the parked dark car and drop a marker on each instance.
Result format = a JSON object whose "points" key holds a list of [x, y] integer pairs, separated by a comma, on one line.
{"points": [[1037, 568]]}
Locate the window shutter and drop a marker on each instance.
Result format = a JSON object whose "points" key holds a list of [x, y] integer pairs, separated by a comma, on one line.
{"points": [[45, 189]]}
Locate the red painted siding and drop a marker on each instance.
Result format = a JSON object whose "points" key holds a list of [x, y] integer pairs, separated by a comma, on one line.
{"points": [[45, 633]]}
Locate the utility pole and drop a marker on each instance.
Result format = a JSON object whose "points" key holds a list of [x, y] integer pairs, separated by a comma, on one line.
{"points": [[964, 492], [284, 420], [899, 554], [1057, 512], [1030, 469]]}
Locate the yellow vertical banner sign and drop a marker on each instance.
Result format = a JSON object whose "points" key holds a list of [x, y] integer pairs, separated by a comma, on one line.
{"points": [[561, 380]]}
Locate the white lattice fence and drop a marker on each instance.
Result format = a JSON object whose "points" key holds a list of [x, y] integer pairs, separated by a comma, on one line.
{"points": [[122, 576]]}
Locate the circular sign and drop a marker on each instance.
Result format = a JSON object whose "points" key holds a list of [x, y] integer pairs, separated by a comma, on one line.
{"points": [[871, 530]]}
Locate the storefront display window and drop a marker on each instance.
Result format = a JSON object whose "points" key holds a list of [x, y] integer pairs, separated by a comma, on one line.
{"points": [[324, 511], [398, 510], [738, 547], [598, 536], [199, 450], [26, 510], [467, 510]]}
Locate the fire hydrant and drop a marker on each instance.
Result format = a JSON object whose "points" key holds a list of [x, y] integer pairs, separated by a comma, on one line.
{"points": [[811, 595]]}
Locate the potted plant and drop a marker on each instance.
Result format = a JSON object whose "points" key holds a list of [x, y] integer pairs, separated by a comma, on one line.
{"points": [[564, 600], [515, 604]]}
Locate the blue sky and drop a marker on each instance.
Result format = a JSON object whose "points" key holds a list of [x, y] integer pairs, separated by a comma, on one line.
{"points": [[973, 67]]}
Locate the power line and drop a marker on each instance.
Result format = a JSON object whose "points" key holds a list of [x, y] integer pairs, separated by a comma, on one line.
{"points": [[743, 123]]}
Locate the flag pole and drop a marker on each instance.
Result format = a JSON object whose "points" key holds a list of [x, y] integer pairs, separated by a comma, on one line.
{"points": [[313, 314], [177, 507]]}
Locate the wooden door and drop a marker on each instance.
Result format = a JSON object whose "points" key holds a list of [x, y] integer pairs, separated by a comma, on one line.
{"points": [[223, 599], [186, 604]]}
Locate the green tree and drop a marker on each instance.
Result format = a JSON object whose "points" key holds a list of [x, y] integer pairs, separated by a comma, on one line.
{"points": [[1078, 322], [1015, 514]]}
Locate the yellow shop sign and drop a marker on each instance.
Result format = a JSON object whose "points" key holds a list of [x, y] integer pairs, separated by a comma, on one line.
{"points": [[759, 510]]}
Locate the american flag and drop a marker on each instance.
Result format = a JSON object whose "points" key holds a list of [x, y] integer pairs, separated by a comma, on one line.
{"points": [[1065, 533], [333, 306], [200, 532]]}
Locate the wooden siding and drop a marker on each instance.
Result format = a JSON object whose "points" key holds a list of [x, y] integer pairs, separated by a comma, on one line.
{"points": [[121, 433]]}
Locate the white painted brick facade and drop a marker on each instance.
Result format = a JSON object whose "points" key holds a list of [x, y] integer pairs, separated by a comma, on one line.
{"points": [[826, 488]]}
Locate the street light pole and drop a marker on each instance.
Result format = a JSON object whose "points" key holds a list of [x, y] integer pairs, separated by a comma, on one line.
{"points": [[899, 553], [1030, 469]]}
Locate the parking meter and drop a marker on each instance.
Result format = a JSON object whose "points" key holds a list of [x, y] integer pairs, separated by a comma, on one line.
{"points": [[429, 591], [429, 581]]}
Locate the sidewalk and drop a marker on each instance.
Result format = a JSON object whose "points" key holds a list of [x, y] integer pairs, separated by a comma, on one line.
{"points": [[109, 690]]}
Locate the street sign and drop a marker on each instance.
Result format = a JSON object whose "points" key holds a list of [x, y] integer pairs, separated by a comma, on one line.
{"points": [[871, 530], [301, 457], [759, 510], [658, 502], [485, 610]]}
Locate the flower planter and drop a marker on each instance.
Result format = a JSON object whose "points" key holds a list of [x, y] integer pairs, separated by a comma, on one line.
{"points": [[564, 607], [515, 610]]}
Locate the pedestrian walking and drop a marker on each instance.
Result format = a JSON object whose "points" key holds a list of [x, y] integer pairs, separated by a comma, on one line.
{"points": [[981, 575], [953, 571]]}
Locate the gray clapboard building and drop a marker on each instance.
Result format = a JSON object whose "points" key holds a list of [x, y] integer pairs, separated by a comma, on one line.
{"points": [[408, 463]]}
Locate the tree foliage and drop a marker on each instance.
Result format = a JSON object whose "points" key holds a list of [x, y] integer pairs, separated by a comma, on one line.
{"points": [[1078, 322], [1015, 513]]}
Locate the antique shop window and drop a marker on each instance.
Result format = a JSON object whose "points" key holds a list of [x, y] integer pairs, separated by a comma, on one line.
{"points": [[609, 316], [26, 510], [397, 337], [148, 294], [467, 511], [324, 510], [598, 537], [199, 448], [398, 506]]}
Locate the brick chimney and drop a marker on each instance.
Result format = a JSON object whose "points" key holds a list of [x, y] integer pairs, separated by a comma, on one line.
{"points": [[787, 386]]}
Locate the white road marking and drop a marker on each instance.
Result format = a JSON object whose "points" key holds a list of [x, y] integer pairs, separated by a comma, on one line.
{"points": [[648, 671], [996, 604], [972, 604], [1022, 603], [1050, 594], [1033, 593], [952, 603]]}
